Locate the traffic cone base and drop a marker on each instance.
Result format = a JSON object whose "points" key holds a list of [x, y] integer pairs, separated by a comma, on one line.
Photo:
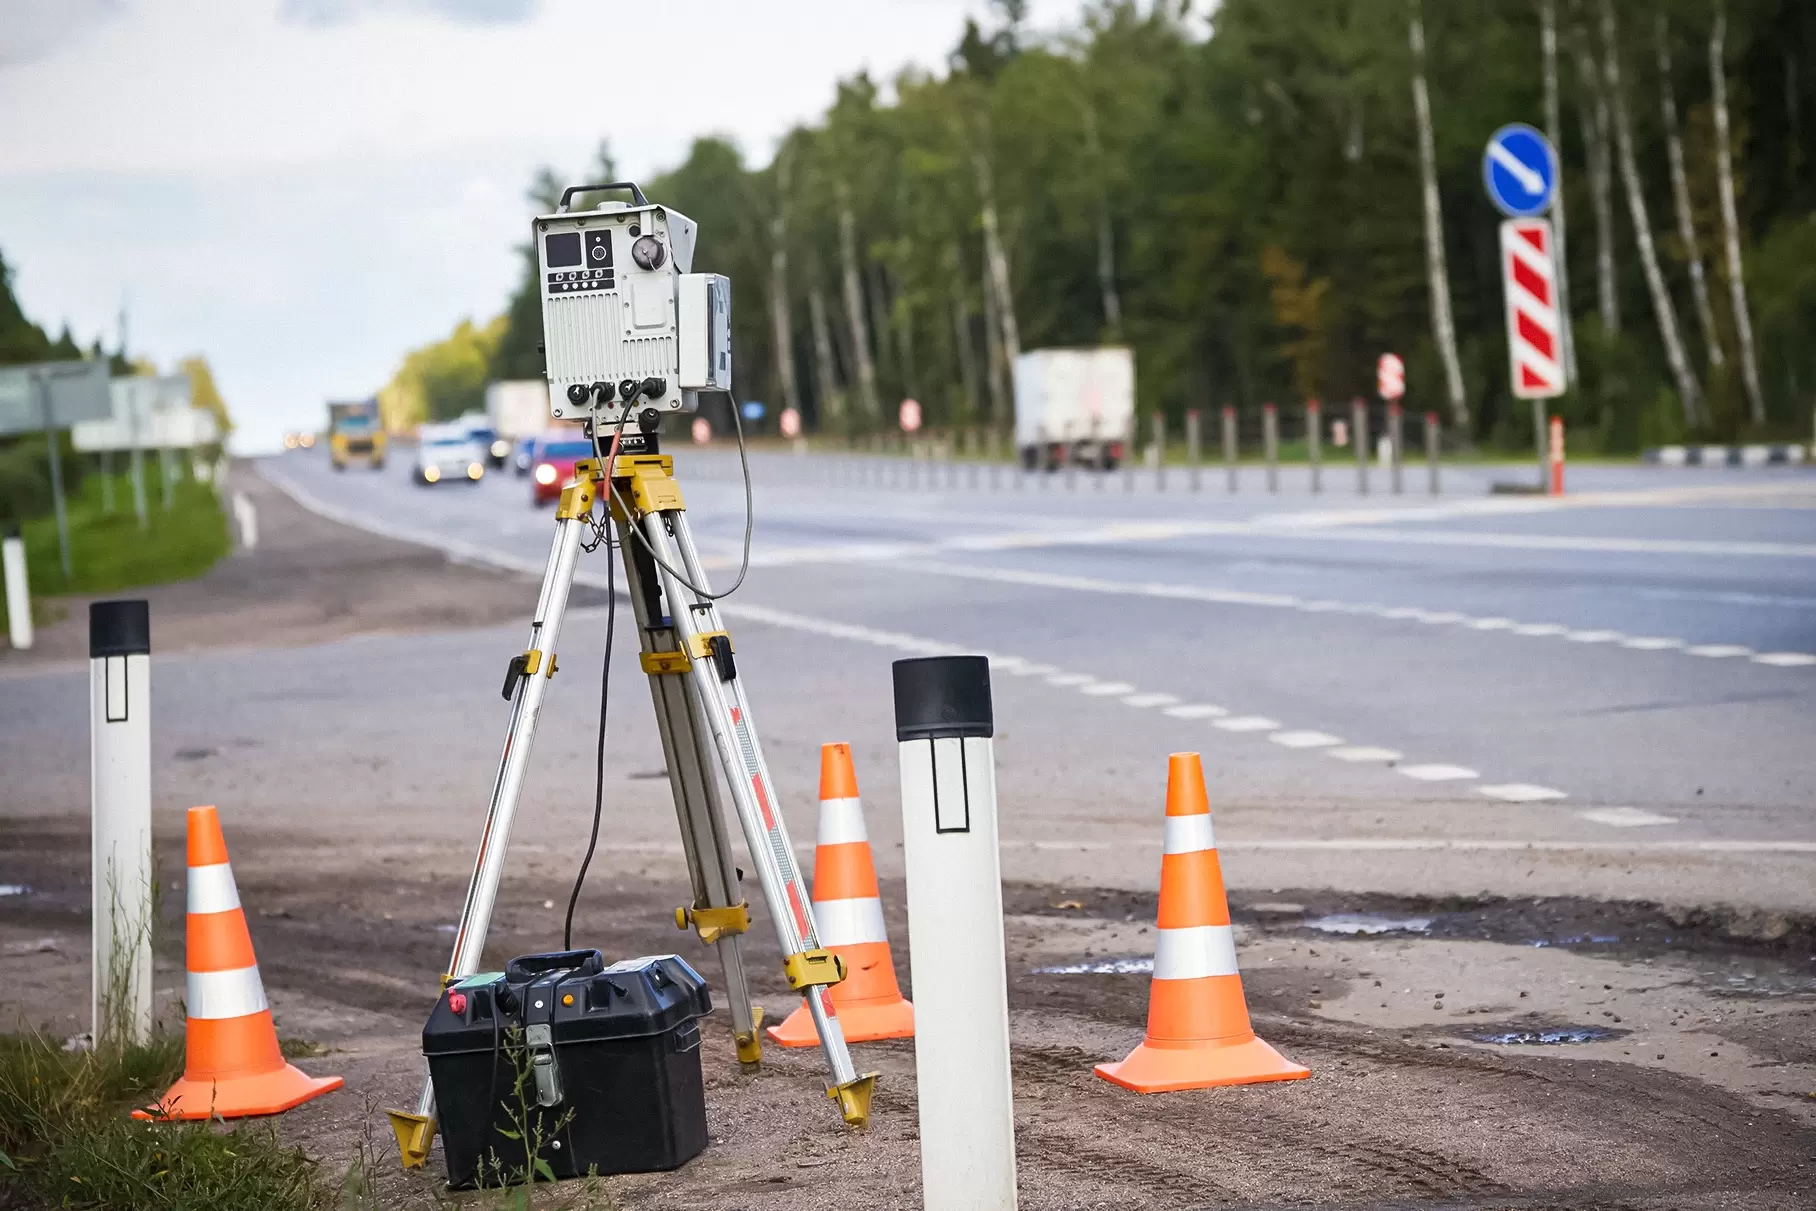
{"points": [[863, 1019], [199, 1095], [1158, 1067]]}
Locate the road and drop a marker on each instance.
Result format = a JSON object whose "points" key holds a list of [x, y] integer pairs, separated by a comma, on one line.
{"points": [[1607, 694]]}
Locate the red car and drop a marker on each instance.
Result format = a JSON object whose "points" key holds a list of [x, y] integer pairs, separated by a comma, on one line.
{"points": [[553, 468]]}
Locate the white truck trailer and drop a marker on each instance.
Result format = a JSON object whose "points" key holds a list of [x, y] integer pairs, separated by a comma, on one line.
{"points": [[518, 409], [1074, 406]]}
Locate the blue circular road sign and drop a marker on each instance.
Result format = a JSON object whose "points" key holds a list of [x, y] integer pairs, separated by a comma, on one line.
{"points": [[1520, 170]]}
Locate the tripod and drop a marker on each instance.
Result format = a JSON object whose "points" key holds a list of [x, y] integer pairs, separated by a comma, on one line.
{"points": [[693, 676]]}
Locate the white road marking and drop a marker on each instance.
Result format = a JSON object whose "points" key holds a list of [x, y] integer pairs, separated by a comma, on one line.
{"points": [[1147, 700], [1718, 651], [1785, 660], [1438, 773], [1246, 723], [1364, 753], [1305, 739], [1213, 596], [1521, 792], [1107, 689], [1625, 817], [1196, 710], [1441, 845]]}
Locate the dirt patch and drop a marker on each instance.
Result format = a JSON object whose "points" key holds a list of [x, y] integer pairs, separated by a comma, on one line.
{"points": [[309, 580], [1405, 1107]]}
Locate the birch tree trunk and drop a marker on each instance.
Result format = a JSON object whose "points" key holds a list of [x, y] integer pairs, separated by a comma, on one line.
{"points": [[993, 348], [1594, 116], [995, 261], [778, 292], [832, 401], [1730, 221], [1442, 326], [854, 311], [1662, 308], [1554, 132], [961, 332], [1680, 199]]}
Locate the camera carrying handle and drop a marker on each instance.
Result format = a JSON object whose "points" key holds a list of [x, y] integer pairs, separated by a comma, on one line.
{"points": [[526, 968], [567, 195]]}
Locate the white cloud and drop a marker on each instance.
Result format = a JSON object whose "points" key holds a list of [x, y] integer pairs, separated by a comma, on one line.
{"points": [[303, 189]]}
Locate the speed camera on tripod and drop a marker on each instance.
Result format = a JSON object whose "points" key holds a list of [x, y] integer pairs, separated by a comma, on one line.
{"points": [[626, 326]]}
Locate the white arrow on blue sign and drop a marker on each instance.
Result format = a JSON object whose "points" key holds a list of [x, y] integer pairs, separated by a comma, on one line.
{"points": [[1520, 170]]}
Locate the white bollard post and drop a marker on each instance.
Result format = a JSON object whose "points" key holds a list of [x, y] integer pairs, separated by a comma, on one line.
{"points": [[247, 515], [18, 591], [119, 649], [943, 725]]}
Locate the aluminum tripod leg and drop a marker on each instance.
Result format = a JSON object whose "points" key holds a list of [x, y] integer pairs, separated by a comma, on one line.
{"points": [[712, 671], [416, 1129], [719, 910]]}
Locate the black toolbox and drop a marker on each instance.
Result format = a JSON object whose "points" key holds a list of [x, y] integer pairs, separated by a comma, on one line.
{"points": [[595, 1067]]}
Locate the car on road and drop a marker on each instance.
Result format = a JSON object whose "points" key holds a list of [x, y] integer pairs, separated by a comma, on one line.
{"points": [[448, 453], [494, 447], [553, 466]]}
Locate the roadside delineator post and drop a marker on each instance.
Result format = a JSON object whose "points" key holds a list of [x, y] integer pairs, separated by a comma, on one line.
{"points": [[1159, 423], [849, 911], [1198, 1024], [1314, 421], [18, 590], [232, 1065], [1557, 456], [1270, 442], [1396, 445], [956, 954], [1194, 421], [1358, 423], [1431, 448], [1229, 444], [119, 705]]}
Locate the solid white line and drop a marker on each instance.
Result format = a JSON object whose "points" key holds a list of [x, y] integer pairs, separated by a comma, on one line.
{"points": [[1438, 773], [1785, 660], [1521, 792]]}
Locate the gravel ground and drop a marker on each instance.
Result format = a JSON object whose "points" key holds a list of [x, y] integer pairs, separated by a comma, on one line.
{"points": [[1695, 1087]]}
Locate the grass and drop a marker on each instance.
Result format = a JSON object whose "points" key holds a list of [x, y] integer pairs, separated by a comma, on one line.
{"points": [[66, 1138], [109, 553]]}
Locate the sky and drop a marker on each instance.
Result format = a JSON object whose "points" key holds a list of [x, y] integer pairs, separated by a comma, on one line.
{"points": [[303, 190]]}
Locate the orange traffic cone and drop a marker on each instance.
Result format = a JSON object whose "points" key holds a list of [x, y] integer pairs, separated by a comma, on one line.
{"points": [[849, 912], [232, 1067], [1198, 1023]]}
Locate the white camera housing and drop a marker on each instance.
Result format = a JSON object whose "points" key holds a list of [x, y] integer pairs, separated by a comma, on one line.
{"points": [[620, 311]]}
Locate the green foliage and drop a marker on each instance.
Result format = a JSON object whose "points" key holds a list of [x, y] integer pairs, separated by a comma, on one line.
{"points": [[1243, 208], [68, 1141], [25, 476], [441, 381]]}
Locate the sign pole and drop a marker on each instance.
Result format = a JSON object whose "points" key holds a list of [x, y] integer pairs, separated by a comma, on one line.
{"points": [[56, 475], [1314, 413]]}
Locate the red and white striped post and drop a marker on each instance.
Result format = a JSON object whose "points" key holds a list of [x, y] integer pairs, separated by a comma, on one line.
{"points": [[1534, 341], [1557, 456]]}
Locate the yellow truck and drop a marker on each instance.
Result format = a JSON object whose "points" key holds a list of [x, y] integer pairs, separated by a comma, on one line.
{"points": [[355, 434]]}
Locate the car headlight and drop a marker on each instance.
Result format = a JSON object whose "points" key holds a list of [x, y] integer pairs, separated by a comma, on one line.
{"points": [[545, 474], [500, 448], [431, 473], [475, 470]]}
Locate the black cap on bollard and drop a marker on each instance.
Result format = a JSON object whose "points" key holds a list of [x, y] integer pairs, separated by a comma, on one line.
{"points": [[937, 697], [119, 628]]}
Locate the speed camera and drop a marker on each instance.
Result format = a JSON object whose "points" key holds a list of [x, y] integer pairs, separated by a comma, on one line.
{"points": [[625, 325]]}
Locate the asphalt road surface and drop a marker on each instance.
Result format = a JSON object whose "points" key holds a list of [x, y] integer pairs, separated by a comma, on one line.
{"points": [[1608, 694]]}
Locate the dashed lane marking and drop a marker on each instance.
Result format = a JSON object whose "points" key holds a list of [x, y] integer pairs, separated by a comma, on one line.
{"points": [[1305, 739], [1626, 817], [1287, 601], [1147, 700], [1521, 792], [1247, 723], [1362, 753], [1439, 773], [1196, 710]]}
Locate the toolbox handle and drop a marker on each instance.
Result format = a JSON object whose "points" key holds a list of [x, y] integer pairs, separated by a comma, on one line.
{"points": [[583, 962]]}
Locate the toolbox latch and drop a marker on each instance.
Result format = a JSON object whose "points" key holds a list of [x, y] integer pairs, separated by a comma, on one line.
{"points": [[542, 1064]]}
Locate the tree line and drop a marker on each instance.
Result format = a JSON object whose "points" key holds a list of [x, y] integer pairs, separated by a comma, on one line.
{"points": [[1262, 202]]}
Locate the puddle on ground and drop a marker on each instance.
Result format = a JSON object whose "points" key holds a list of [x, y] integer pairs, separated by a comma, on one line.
{"points": [[1369, 923], [1581, 939], [1102, 967], [14, 889], [1555, 1037]]}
